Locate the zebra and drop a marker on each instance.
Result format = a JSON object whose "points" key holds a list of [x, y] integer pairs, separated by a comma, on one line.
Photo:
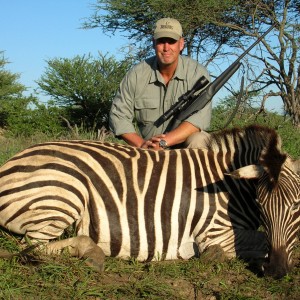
{"points": [[158, 205]]}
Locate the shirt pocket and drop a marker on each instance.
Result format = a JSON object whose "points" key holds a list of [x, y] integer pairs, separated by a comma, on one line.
{"points": [[146, 110]]}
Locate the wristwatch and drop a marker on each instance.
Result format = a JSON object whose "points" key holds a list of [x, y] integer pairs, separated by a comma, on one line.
{"points": [[163, 144]]}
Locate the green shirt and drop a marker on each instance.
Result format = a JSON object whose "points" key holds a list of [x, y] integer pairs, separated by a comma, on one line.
{"points": [[143, 97]]}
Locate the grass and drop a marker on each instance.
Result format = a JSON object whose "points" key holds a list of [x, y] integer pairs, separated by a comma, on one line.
{"points": [[64, 277]]}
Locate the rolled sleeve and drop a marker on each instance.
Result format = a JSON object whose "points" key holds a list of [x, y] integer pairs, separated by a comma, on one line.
{"points": [[122, 109], [202, 118]]}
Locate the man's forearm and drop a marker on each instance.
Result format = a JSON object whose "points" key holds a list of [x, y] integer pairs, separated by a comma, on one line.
{"points": [[133, 139], [180, 133]]}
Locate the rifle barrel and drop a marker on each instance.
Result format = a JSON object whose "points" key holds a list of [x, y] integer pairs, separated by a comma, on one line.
{"points": [[207, 94], [256, 42]]}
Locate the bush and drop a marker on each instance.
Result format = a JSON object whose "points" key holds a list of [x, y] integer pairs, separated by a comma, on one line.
{"points": [[26, 117], [85, 86]]}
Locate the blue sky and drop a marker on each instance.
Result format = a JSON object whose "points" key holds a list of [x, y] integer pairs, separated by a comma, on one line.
{"points": [[33, 31]]}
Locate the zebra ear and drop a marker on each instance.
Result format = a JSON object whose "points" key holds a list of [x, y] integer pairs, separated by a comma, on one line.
{"points": [[248, 172], [295, 166], [272, 160]]}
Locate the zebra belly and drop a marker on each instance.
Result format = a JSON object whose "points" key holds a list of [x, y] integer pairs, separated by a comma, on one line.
{"points": [[127, 234], [186, 250], [157, 245]]}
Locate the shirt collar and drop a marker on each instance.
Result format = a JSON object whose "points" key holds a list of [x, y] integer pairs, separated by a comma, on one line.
{"points": [[179, 73], [155, 75]]}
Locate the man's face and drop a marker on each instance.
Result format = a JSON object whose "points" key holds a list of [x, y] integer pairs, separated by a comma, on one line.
{"points": [[167, 50]]}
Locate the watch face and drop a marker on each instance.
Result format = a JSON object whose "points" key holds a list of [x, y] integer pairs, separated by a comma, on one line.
{"points": [[163, 144]]}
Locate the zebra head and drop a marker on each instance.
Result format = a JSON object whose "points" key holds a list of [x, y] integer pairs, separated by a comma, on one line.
{"points": [[278, 198]]}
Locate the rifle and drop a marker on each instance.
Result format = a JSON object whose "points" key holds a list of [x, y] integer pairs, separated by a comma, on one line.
{"points": [[189, 103]]}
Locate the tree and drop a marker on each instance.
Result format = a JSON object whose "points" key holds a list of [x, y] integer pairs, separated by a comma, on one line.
{"points": [[278, 73], [214, 30], [9, 86], [10, 90], [21, 115], [136, 20], [85, 86], [26, 117]]}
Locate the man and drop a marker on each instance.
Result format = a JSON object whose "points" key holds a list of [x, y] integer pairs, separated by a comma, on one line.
{"points": [[151, 87]]}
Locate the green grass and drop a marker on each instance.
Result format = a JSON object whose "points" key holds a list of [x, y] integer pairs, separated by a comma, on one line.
{"points": [[65, 277]]}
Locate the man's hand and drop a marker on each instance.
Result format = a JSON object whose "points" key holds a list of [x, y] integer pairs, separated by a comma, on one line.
{"points": [[136, 140], [174, 137], [153, 143]]}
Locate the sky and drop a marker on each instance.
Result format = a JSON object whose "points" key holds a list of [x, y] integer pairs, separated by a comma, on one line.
{"points": [[35, 31]]}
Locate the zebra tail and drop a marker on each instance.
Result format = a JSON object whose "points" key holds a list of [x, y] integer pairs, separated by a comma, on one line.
{"points": [[6, 254]]}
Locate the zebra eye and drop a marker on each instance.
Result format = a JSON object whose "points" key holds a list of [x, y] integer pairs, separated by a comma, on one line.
{"points": [[295, 207]]}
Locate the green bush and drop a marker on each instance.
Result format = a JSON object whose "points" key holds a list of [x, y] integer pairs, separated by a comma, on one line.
{"points": [[27, 117], [85, 86]]}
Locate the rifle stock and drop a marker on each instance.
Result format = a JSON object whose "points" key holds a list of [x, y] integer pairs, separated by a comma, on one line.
{"points": [[190, 104]]}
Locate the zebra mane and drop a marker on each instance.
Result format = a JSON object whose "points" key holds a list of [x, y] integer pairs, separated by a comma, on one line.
{"points": [[263, 140], [259, 136]]}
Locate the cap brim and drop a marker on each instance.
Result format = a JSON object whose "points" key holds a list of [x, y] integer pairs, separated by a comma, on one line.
{"points": [[166, 34]]}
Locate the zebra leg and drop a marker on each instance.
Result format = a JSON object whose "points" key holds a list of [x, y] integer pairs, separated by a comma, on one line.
{"points": [[82, 247], [214, 253]]}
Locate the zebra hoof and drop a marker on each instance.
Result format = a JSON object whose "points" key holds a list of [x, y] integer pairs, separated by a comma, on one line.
{"points": [[214, 253], [95, 265], [95, 259]]}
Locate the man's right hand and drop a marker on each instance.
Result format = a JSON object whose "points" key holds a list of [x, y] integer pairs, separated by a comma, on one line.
{"points": [[135, 140]]}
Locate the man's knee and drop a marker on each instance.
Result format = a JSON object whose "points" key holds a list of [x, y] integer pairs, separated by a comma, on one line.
{"points": [[197, 140]]}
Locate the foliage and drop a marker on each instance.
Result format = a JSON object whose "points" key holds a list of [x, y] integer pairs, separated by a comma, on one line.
{"points": [[21, 115], [27, 117], [136, 20], [10, 91], [84, 86], [9, 86]]}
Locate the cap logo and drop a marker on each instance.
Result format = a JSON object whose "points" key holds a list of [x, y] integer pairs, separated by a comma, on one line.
{"points": [[166, 26]]}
